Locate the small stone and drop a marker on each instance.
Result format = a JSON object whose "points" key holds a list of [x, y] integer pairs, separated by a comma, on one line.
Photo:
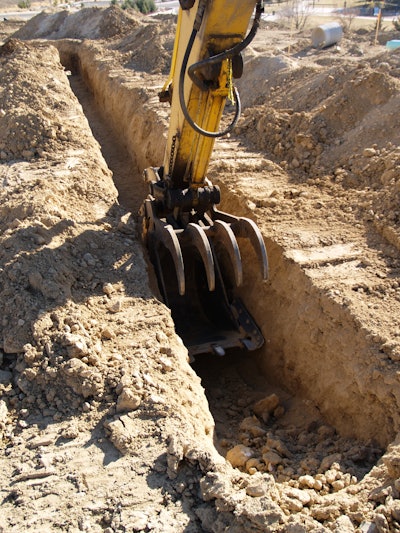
{"points": [[77, 348], [128, 400], [272, 458], [107, 334], [108, 289], [3, 411], [395, 510], [331, 476], [301, 495], [338, 485], [266, 406], [328, 461], [256, 491], [307, 481], [239, 455], [369, 152], [252, 425], [294, 505], [115, 307], [343, 524], [166, 364]]}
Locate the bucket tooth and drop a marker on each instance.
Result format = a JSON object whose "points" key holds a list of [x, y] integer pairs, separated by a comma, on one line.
{"points": [[224, 234], [165, 234], [199, 239], [247, 228]]}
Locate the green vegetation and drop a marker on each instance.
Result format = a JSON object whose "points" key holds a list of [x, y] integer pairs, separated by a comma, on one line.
{"points": [[24, 4], [144, 6]]}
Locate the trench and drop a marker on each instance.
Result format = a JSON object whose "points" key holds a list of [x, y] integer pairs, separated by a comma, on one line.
{"points": [[310, 418]]}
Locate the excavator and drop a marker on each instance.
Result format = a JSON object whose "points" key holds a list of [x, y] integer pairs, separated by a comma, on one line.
{"points": [[193, 246]]}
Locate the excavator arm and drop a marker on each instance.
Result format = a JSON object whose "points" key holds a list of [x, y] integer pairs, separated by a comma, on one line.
{"points": [[193, 245]]}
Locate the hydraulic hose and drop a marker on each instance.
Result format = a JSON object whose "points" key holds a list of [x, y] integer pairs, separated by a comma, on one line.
{"points": [[226, 54]]}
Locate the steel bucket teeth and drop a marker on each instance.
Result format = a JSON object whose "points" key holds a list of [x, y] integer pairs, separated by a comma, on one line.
{"points": [[165, 234], [222, 228], [224, 234], [248, 229], [198, 238]]}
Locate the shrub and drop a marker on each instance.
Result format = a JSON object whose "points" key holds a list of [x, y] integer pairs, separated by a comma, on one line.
{"points": [[24, 4], [144, 6]]}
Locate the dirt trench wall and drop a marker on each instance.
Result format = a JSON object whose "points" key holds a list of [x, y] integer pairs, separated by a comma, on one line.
{"points": [[123, 97], [317, 346], [318, 349]]}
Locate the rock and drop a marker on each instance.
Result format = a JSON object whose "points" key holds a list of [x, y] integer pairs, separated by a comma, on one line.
{"points": [[252, 425], [266, 406], [325, 512], [77, 346], [116, 306], [343, 524], [307, 481], [328, 461], [368, 527], [239, 455], [108, 289], [83, 379], [301, 495], [123, 431], [272, 458], [338, 485], [253, 465], [331, 476], [381, 523], [256, 491], [107, 334], [395, 510], [278, 445], [369, 152], [128, 400]]}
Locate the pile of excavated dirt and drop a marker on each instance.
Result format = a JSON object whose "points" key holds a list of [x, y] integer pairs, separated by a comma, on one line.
{"points": [[104, 424]]}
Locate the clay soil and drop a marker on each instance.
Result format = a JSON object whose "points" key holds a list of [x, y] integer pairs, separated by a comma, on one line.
{"points": [[104, 423]]}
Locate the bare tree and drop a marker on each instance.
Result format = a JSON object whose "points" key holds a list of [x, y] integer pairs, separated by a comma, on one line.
{"points": [[297, 13], [347, 16]]}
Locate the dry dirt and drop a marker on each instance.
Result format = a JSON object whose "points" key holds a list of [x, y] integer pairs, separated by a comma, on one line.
{"points": [[104, 424]]}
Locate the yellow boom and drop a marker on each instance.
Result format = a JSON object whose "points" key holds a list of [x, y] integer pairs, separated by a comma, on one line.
{"points": [[224, 25]]}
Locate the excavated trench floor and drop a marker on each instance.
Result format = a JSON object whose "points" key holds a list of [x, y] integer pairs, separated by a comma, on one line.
{"points": [[234, 384]]}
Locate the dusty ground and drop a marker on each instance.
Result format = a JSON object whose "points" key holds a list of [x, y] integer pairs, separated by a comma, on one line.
{"points": [[104, 424]]}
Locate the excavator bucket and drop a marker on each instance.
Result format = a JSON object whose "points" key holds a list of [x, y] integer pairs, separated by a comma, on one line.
{"points": [[199, 268]]}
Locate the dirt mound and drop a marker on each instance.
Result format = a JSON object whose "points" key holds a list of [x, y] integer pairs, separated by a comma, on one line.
{"points": [[149, 47], [337, 124], [88, 23]]}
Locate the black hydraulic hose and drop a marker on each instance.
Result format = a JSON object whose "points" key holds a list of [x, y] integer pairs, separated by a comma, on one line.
{"points": [[227, 54]]}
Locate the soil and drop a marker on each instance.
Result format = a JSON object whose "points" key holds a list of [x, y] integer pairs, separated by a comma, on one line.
{"points": [[104, 423]]}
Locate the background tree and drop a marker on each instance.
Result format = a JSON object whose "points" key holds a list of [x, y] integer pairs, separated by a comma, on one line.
{"points": [[144, 6]]}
